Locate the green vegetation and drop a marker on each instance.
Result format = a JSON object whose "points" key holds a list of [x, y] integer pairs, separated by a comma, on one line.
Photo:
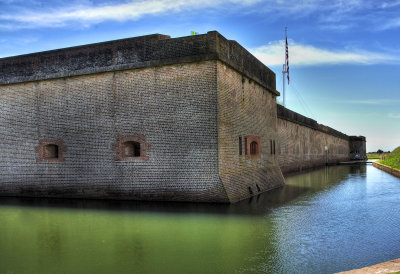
{"points": [[377, 154], [392, 159], [373, 155]]}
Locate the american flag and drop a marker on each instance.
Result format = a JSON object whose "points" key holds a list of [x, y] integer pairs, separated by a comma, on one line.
{"points": [[287, 60]]}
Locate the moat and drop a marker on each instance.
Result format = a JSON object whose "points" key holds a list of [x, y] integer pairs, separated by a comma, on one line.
{"points": [[324, 221]]}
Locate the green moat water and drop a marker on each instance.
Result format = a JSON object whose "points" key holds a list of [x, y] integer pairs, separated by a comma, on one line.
{"points": [[323, 221]]}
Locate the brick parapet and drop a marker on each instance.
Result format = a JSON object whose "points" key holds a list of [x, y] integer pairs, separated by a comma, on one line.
{"points": [[357, 138], [294, 117], [138, 52]]}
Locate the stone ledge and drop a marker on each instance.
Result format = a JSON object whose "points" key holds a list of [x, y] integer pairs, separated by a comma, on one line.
{"points": [[388, 169], [386, 267]]}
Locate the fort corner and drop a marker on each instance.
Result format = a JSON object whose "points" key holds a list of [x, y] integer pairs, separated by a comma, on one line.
{"points": [[153, 118]]}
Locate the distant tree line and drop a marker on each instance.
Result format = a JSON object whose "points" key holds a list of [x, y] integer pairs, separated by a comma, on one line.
{"points": [[380, 151]]}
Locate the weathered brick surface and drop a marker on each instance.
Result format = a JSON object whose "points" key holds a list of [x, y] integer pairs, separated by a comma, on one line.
{"points": [[301, 147], [174, 107], [245, 109], [302, 143]]}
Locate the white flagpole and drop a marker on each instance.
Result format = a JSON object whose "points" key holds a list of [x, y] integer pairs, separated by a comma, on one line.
{"points": [[283, 80], [284, 71], [285, 68]]}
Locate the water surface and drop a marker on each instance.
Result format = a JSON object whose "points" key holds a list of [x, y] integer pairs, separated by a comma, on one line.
{"points": [[323, 221]]}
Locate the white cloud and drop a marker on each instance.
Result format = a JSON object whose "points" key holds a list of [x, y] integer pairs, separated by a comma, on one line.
{"points": [[273, 54], [119, 12], [305, 7], [329, 14]]}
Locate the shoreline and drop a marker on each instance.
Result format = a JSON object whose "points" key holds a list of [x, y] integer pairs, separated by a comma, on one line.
{"points": [[386, 267], [393, 171]]}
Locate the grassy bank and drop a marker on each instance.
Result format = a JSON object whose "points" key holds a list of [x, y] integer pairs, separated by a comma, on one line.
{"points": [[392, 159]]}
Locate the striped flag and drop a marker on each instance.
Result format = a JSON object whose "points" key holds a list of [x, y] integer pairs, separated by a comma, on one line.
{"points": [[287, 60]]}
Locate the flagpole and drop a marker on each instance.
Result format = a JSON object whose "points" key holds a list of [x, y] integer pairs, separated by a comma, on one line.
{"points": [[283, 80], [285, 68]]}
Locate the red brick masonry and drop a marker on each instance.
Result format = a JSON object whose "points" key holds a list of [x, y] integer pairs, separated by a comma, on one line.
{"points": [[249, 140], [41, 150], [118, 146]]}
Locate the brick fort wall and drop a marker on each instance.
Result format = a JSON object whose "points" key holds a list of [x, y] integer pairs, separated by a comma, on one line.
{"points": [[246, 111], [172, 110], [152, 118], [303, 142]]}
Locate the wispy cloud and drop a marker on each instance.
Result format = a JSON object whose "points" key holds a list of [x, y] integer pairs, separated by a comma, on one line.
{"points": [[394, 115], [391, 4], [90, 14], [374, 102], [338, 15], [19, 41], [329, 14], [307, 7], [306, 55], [391, 24]]}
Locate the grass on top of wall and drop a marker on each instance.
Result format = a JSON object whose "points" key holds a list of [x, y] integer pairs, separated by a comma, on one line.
{"points": [[392, 159]]}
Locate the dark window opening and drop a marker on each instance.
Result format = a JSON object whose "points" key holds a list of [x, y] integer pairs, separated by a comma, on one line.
{"points": [[270, 144], [50, 151], [274, 147], [240, 145], [250, 191], [132, 149], [253, 148]]}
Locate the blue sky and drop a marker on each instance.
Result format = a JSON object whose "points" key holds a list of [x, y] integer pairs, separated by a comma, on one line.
{"points": [[344, 55]]}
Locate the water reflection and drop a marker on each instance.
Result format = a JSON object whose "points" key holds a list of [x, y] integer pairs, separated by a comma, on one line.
{"points": [[296, 185], [323, 221]]}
